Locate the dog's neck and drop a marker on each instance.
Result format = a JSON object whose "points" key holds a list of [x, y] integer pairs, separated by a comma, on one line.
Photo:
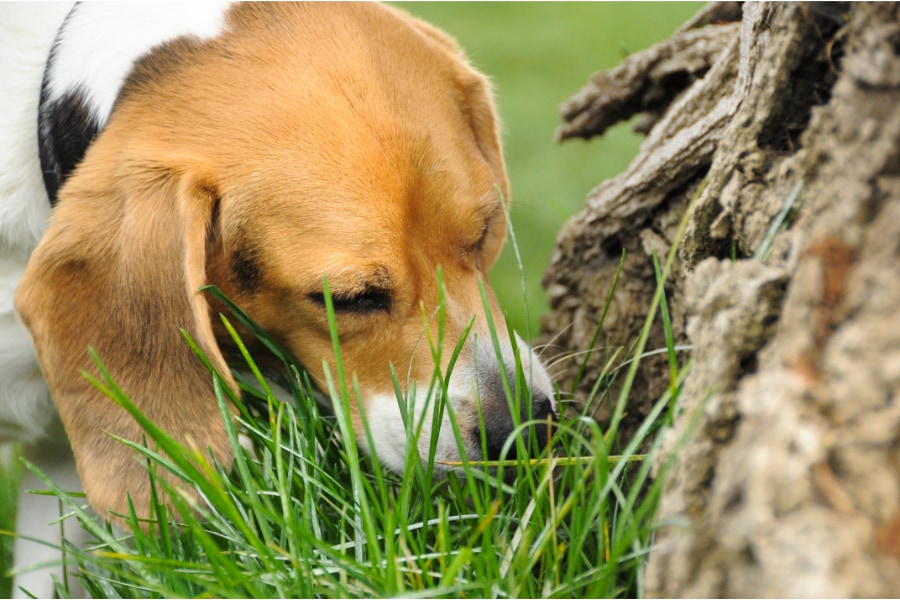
{"points": [[94, 50]]}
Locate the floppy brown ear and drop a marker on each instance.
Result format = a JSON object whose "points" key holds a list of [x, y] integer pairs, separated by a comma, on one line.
{"points": [[118, 271]]}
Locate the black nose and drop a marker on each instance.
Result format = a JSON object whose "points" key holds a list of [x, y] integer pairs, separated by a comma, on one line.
{"points": [[499, 426], [541, 410]]}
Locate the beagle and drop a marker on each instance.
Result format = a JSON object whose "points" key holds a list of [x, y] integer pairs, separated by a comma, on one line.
{"points": [[259, 148]]}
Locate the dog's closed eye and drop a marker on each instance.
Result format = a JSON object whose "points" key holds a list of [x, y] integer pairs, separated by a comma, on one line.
{"points": [[368, 301]]}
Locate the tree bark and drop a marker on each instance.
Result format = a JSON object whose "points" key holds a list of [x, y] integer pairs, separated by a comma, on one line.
{"points": [[789, 482]]}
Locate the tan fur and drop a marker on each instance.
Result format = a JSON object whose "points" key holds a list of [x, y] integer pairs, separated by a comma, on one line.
{"points": [[231, 148]]}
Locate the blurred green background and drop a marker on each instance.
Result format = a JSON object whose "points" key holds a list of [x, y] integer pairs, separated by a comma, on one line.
{"points": [[538, 54]]}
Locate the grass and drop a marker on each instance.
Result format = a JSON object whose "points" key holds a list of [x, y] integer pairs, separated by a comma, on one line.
{"points": [[9, 479], [303, 514]]}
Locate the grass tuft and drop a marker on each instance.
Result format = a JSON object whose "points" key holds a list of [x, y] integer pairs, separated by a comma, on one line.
{"points": [[304, 514]]}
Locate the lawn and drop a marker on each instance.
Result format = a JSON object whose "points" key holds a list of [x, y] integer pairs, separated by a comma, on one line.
{"points": [[304, 514], [538, 54]]}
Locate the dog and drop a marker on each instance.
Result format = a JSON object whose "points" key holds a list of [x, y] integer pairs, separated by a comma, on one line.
{"points": [[150, 150]]}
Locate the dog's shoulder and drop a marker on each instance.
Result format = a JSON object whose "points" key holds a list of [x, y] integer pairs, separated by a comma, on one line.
{"points": [[63, 66]]}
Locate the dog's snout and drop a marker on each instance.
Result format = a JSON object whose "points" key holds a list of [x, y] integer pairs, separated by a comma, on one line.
{"points": [[499, 426], [541, 411], [495, 435], [541, 407]]}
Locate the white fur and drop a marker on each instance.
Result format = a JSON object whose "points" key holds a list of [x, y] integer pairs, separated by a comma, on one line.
{"points": [[26, 35], [95, 53], [103, 39], [390, 434]]}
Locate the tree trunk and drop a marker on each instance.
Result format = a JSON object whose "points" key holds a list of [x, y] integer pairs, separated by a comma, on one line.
{"points": [[780, 118]]}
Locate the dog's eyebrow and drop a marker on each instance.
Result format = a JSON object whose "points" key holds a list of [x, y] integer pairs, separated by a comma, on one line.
{"points": [[359, 292], [378, 277], [345, 282], [492, 205], [490, 210]]}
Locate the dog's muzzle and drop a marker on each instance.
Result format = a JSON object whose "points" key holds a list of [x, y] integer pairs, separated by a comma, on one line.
{"points": [[498, 401]]}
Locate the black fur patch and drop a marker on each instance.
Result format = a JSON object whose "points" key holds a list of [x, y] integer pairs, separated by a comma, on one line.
{"points": [[66, 127]]}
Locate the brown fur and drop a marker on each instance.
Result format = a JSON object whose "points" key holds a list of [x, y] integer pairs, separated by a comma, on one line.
{"points": [[351, 140]]}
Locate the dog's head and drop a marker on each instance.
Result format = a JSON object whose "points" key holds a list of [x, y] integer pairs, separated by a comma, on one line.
{"points": [[352, 142]]}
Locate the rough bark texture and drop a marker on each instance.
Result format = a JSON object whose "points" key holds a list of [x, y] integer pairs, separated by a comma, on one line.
{"points": [[789, 484]]}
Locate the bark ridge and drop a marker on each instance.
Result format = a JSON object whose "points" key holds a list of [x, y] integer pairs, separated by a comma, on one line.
{"points": [[787, 114]]}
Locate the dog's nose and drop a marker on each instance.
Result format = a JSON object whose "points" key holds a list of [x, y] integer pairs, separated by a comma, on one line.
{"points": [[542, 410], [500, 426], [541, 407]]}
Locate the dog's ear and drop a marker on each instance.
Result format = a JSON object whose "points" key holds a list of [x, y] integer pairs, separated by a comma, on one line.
{"points": [[118, 271]]}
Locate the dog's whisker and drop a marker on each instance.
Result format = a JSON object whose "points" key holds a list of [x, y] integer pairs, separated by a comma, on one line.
{"points": [[553, 339], [568, 356], [541, 348]]}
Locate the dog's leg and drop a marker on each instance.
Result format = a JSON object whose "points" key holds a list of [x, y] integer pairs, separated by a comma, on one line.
{"points": [[36, 519]]}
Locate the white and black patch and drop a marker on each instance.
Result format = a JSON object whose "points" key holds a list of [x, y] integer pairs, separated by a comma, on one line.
{"points": [[94, 51]]}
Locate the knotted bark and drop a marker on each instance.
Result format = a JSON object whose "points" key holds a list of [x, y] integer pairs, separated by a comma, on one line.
{"points": [[789, 115]]}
